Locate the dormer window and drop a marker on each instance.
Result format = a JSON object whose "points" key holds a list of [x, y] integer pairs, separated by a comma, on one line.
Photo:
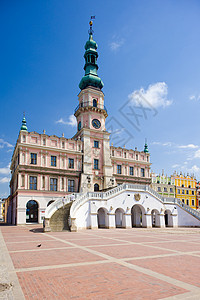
{"points": [[94, 102]]}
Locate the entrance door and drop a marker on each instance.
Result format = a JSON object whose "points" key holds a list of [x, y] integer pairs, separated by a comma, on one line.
{"points": [[32, 212]]}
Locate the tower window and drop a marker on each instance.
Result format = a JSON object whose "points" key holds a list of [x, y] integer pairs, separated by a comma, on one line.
{"points": [[92, 59], [94, 102], [96, 164], [96, 144], [71, 163], [142, 172]]}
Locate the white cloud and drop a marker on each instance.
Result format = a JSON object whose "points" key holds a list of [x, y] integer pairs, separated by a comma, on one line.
{"points": [[189, 146], [175, 166], [5, 144], [4, 180], [72, 121], [194, 97], [155, 96], [115, 45], [197, 154], [194, 169], [166, 144], [5, 170]]}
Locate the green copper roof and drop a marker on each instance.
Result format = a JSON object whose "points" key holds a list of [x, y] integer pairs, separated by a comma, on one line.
{"points": [[91, 78], [24, 127], [146, 150]]}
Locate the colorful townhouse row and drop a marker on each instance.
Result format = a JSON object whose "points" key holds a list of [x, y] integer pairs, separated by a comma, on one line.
{"points": [[181, 186]]}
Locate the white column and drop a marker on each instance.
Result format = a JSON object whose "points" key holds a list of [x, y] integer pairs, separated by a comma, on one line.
{"points": [[93, 218], [162, 220], [148, 221], [128, 220], [111, 220]]}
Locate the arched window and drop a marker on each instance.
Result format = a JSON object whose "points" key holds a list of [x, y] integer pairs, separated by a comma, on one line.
{"points": [[32, 212], [96, 187], [94, 102], [92, 59]]}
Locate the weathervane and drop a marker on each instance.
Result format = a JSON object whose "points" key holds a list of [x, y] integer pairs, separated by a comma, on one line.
{"points": [[90, 23]]}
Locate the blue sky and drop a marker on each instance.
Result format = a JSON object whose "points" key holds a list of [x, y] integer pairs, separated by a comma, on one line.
{"points": [[148, 60]]}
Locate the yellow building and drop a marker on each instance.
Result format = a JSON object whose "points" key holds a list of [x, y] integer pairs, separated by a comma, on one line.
{"points": [[186, 189]]}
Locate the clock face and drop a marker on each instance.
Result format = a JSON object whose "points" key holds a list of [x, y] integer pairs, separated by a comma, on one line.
{"points": [[79, 125], [96, 123]]}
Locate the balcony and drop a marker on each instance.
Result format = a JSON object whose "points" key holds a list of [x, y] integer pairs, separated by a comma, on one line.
{"points": [[88, 104]]}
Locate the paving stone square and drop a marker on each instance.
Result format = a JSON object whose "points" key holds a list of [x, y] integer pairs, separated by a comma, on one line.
{"points": [[133, 263]]}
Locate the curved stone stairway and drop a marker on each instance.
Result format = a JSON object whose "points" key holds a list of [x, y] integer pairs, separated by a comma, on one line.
{"points": [[59, 221]]}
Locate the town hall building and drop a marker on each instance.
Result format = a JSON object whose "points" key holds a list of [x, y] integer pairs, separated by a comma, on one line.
{"points": [[84, 182]]}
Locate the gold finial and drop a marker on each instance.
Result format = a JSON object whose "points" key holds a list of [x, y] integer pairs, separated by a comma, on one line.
{"points": [[90, 23]]}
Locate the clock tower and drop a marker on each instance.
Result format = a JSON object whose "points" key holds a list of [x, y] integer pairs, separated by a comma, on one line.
{"points": [[91, 114]]}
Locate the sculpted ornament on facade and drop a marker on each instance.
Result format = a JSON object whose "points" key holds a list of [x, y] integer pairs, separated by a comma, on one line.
{"points": [[137, 197]]}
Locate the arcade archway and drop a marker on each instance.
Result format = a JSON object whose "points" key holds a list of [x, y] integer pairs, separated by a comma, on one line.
{"points": [[32, 211], [102, 218], [119, 218]]}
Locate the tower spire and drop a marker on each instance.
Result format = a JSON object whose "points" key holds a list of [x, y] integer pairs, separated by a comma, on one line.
{"points": [[146, 150], [91, 78], [24, 127]]}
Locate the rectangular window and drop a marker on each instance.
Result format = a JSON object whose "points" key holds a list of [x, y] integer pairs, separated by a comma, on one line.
{"points": [[192, 202], [22, 180], [96, 144], [43, 182], [183, 201], [187, 202], [44, 142], [71, 163], [71, 185], [131, 170], [63, 145], [62, 183], [119, 169], [159, 189], [142, 172], [183, 192], [165, 189], [24, 138], [187, 192], [178, 191], [53, 161], [96, 164], [33, 183], [33, 159], [171, 190], [192, 192], [53, 184]]}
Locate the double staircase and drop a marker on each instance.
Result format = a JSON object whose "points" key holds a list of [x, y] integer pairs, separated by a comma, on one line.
{"points": [[59, 214]]}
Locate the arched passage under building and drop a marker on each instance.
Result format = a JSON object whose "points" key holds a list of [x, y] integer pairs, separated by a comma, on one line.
{"points": [[138, 217], [102, 218], [119, 218], [32, 211]]}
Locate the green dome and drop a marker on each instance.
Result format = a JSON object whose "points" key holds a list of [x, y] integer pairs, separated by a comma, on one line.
{"points": [[91, 78], [24, 127]]}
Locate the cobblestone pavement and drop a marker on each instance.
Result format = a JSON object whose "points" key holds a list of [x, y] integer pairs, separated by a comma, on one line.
{"points": [[131, 264]]}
